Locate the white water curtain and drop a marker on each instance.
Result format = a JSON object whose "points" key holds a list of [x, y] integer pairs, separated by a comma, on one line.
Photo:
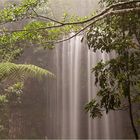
{"points": [[73, 87]]}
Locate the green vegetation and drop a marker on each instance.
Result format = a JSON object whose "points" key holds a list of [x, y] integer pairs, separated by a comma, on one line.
{"points": [[12, 75], [10, 98], [118, 78], [114, 29]]}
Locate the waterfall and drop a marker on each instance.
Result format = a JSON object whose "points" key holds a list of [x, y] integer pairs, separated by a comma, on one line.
{"points": [[72, 88], [54, 107]]}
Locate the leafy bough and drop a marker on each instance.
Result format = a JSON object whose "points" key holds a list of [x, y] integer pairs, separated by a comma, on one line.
{"points": [[21, 71]]}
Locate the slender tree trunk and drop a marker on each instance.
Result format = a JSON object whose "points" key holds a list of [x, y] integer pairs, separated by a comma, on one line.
{"points": [[129, 101], [129, 97], [131, 116]]}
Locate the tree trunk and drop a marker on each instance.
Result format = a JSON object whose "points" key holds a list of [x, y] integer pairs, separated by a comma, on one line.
{"points": [[131, 116]]}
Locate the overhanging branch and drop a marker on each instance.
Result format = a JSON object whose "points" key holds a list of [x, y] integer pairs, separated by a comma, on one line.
{"points": [[60, 24], [111, 13]]}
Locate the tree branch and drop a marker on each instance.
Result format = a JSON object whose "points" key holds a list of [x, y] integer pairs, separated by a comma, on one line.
{"points": [[104, 12], [100, 14], [116, 12], [111, 13], [48, 18]]}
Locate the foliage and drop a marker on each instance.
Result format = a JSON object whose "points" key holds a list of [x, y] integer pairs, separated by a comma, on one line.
{"points": [[12, 44], [36, 31], [11, 48], [21, 71], [117, 78], [116, 34], [119, 33], [9, 98], [93, 108]]}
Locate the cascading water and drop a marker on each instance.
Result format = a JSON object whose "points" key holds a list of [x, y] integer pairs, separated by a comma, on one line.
{"points": [[72, 88], [59, 102]]}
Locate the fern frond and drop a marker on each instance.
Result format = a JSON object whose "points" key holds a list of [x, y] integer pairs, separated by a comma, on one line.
{"points": [[14, 71]]}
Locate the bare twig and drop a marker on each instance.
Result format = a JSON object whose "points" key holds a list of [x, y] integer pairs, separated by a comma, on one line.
{"points": [[48, 18]]}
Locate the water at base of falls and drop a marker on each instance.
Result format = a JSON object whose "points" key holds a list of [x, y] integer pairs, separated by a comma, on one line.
{"points": [[74, 86]]}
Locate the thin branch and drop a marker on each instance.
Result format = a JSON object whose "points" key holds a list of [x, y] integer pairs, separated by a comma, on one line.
{"points": [[48, 18], [80, 22], [127, 90], [53, 20]]}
